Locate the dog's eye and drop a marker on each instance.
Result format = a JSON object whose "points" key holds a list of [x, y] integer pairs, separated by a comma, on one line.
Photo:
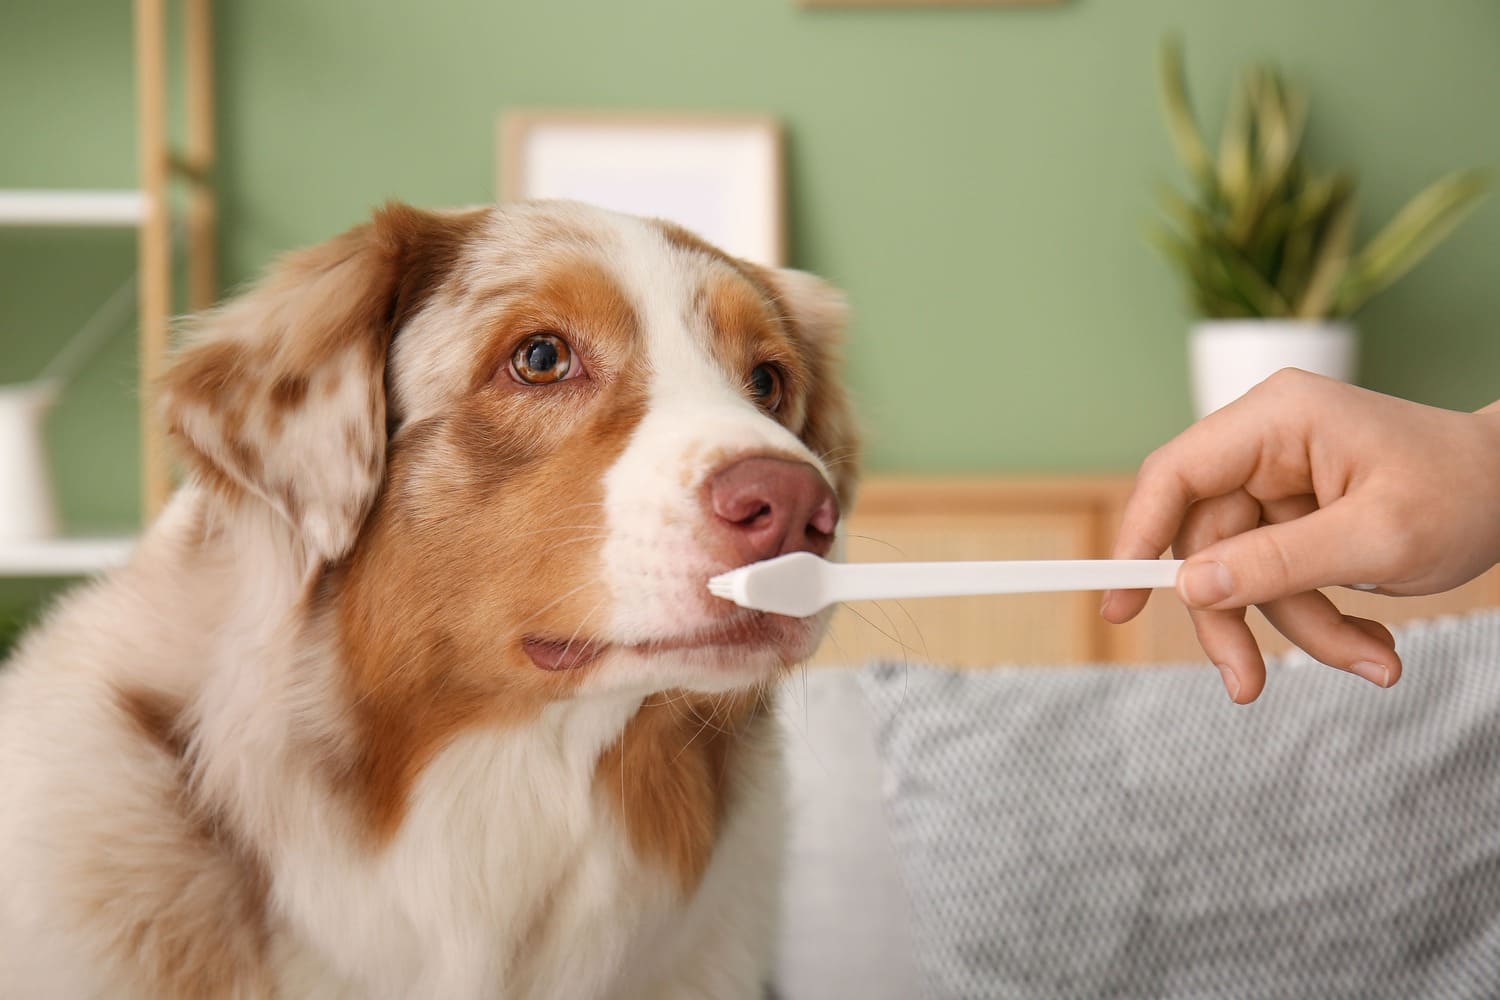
{"points": [[765, 386], [543, 358]]}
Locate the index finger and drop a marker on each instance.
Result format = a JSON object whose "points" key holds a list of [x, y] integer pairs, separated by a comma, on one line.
{"points": [[1214, 456]]}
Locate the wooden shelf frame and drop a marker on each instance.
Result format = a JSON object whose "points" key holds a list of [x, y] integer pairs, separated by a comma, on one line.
{"points": [[159, 165], [149, 209]]}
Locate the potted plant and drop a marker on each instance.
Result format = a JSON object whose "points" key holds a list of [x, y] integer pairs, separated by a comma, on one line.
{"points": [[1266, 244]]}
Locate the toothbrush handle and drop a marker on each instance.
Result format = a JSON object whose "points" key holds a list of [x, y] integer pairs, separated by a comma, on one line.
{"points": [[875, 581]]}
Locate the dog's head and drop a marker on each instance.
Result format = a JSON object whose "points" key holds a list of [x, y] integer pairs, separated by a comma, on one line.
{"points": [[512, 445]]}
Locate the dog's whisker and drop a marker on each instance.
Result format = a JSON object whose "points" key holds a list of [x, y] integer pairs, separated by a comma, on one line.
{"points": [[879, 541], [710, 722], [411, 664], [891, 623], [690, 742], [921, 636], [568, 646], [836, 457], [894, 639], [578, 532], [674, 702], [553, 603]]}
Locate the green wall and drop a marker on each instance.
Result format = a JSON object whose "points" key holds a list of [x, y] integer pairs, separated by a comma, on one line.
{"points": [[977, 179]]}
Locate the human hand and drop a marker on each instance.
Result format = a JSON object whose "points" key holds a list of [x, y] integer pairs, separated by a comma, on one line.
{"points": [[1307, 482]]}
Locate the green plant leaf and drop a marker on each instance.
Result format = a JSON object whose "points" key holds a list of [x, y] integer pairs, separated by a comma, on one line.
{"points": [[1211, 306], [1210, 287], [1194, 219], [1282, 117], [1184, 255], [1173, 247], [1279, 115], [1181, 124], [1320, 294], [1234, 148], [1258, 234], [1296, 252], [1417, 229], [1267, 243], [1262, 168], [1317, 196], [1313, 202], [1248, 284]]}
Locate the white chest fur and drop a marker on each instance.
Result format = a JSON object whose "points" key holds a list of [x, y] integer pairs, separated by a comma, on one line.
{"points": [[509, 877]]}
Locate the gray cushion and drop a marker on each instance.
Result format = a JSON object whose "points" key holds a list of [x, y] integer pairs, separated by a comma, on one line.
{"points": [[1121, 832]]}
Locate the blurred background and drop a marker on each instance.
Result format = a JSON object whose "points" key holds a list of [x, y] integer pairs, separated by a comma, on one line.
{"points": [[978, 179]]}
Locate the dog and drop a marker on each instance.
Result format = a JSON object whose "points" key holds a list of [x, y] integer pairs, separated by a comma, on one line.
{"points": [[415, 688]]}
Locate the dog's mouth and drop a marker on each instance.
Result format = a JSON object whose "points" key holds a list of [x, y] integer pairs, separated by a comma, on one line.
{"points": [[749, 631], [562, 654]]}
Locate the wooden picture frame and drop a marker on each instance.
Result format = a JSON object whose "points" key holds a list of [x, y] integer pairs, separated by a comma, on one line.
{"points": [[720, 176]]}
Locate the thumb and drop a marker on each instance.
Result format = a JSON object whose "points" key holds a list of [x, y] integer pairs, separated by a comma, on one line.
{"points": [[1322, 549]]}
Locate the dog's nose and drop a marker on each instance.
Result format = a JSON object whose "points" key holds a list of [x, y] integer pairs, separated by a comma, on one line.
{"points": [[766, 507]]}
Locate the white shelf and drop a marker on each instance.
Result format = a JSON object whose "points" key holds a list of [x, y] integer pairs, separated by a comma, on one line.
{"points": [[63, 556], [71, 208]]}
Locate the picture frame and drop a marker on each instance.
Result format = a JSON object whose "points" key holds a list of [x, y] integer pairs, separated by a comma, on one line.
{"points": [[720, 176]]}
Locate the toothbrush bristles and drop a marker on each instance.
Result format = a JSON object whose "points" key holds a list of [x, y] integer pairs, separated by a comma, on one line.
{"points": [[722, 586]]}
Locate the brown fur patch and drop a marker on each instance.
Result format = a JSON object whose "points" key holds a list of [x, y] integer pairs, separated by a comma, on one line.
{"points": [[211, 370], [828, 428], [739, 315], [690, 242], [749, 331], [428, 246], [186, 905], [577, 299], [487, 531], [323, 315], [157, 717], [669, 776], [756, 320], [288, 391]]}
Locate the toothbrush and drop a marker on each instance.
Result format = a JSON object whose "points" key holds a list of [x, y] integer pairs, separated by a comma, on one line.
{"points": [[801, 584]]}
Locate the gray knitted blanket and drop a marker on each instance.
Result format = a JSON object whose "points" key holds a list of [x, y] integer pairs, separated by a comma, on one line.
{"points": [[1108, 832]]}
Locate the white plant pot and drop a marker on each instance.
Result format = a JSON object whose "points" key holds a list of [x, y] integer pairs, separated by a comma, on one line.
{"points": [[26, 508], [1228, 357]]}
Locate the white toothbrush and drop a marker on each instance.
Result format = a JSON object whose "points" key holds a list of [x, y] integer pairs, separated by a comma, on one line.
{"points": [[801, 584]]}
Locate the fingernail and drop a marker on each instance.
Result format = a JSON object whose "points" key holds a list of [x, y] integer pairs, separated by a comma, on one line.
{"points": [[1375, 673], [1231, 682], [1203, 584]]}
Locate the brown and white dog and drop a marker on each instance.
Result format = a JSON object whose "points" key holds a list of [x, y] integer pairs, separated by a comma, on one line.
{"points": [[415, 688]]}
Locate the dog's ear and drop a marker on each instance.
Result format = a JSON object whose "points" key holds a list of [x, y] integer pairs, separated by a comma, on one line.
{"points": [[819, 315], [281, 394]]}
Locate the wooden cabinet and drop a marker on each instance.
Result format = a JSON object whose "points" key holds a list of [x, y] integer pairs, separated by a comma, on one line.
{"points": [[900, 518]]}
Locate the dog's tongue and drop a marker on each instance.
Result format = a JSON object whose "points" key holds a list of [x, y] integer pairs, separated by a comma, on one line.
{"points": [[556, 654]]}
